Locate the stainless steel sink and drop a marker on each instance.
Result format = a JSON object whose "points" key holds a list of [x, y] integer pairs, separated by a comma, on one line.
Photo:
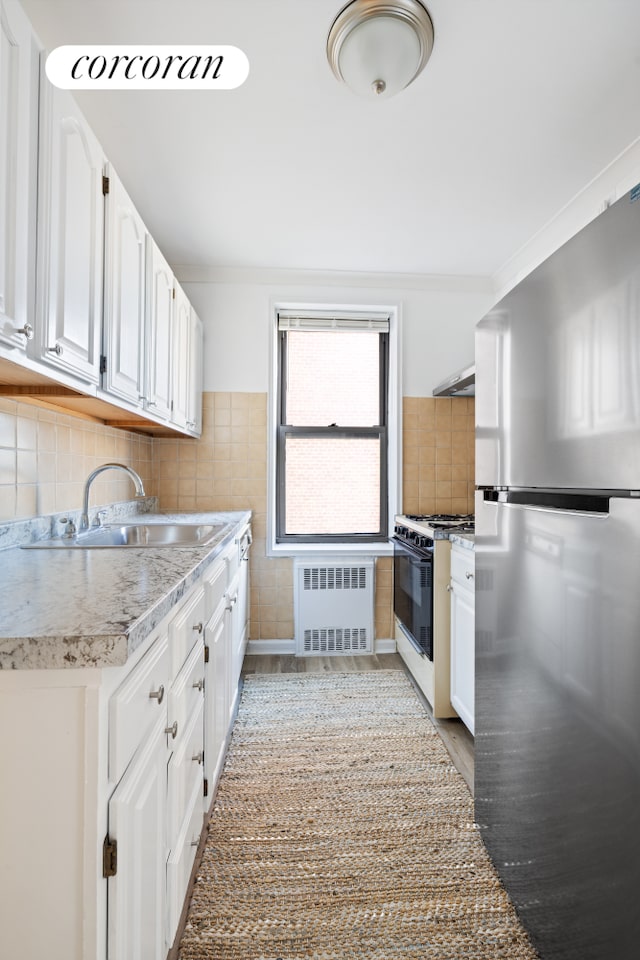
{"points": [[172, 534]]}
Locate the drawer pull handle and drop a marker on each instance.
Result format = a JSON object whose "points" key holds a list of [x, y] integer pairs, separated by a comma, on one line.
{"points": [[157, 695], [198, 626], [173, 729], [198, 685], [198, 757], [194, 843], [469, 575]]}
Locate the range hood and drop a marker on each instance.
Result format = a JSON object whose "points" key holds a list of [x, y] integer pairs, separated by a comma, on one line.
{"points": [[460, 384]]}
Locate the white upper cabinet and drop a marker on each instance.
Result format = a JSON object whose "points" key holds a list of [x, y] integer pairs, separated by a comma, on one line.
{"points": [[18, 175], [86, 296], [195, 373], [188, 342], [124, 294], [181, 356], [160, 303], [70, 237]]}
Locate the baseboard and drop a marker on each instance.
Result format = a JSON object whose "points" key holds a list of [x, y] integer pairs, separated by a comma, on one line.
{"points": [[288, 647], [385, 646], [272, 647]]}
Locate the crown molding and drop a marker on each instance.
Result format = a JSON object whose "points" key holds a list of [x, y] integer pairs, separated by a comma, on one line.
{"points": [[617, 178], [277, 277]]}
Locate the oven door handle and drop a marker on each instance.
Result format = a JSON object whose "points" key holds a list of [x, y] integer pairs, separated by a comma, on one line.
{"points": [[423, 554]]}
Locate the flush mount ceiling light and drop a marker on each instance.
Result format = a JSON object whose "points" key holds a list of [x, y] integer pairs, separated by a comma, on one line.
{"points": [[377, 48]]}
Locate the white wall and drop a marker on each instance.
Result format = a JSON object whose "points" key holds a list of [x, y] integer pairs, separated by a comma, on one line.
{"points": [[438, 314], [620, 176], [438, 317]]}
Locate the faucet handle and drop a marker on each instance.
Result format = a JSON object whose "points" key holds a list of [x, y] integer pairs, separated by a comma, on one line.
{"points": [[97, 520], [70, 528]]}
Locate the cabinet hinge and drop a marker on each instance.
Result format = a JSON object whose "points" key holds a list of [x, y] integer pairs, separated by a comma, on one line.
{"points": [[205, 787], [206, 653], [109, 857], [105, 186], [103, 363]]}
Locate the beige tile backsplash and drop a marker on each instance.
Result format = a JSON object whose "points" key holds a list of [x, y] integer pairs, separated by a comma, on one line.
{"points": [[46, 456], [438, 454]]}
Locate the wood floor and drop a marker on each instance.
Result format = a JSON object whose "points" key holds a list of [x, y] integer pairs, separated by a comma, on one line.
{"points": [[454, 734]]}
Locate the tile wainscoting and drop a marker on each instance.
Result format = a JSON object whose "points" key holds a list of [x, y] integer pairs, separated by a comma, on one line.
{"points": [[45, 458]]}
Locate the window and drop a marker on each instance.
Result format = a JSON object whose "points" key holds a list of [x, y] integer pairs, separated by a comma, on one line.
{"points": [[332, 428]]}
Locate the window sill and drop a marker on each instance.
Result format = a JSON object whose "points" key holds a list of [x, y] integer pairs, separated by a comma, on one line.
{"points": [[380, 549]]}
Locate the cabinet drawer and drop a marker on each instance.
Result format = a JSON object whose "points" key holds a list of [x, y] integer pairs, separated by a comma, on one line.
{"points": [[181, 861], [185, 768], [186, 693], [215, 584], [463, 567], [136, 704], [186, 629]]}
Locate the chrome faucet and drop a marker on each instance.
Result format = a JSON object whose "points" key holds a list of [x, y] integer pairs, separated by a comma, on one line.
{"points": [[84, 519]]}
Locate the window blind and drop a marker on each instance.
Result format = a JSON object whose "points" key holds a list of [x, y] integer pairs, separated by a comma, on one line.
{"points": [[320, 322]]}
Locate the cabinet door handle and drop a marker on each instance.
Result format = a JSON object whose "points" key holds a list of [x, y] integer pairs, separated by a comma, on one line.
{"points": [[198, 626], [157, 694], [469, 575], [173, 729], [26, 331], [449, 588], [57, 350], [198, 685], [198, 757]]}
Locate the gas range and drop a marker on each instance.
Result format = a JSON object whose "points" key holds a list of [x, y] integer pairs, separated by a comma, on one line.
{"points": [[413, 528]]}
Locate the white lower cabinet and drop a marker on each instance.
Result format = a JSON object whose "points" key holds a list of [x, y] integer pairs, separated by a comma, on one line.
{"points": [[137, 826], [463, 643], [154, 798], [217, 703], [129, 757]]}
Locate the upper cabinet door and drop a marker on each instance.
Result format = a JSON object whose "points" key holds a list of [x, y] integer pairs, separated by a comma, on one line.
{"points": [[124, 294], [196, 364], [18, 175], [160, 303], [70, 239], [187, 366], [181, 359]]}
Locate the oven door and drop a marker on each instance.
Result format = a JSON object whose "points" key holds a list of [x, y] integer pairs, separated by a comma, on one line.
{"points": [[413, 595]]}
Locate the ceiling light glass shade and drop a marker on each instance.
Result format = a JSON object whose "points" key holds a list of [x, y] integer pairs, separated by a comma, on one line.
{"points": [[377, 48]]}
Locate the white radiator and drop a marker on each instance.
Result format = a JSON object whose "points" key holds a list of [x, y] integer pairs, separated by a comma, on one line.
{"points": [[333, 604]]}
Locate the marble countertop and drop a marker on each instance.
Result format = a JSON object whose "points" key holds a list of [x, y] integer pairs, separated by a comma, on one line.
{"points": [[94, 608], [466, 540]]}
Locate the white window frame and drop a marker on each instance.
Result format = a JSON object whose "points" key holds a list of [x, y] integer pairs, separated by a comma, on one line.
{"points": [[394, 415]]}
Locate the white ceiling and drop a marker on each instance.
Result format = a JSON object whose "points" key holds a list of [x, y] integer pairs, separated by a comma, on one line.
{"points": [[522, 103]]}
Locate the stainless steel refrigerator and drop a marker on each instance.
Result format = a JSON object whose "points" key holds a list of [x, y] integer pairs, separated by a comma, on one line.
{"points": [[557, 744]]}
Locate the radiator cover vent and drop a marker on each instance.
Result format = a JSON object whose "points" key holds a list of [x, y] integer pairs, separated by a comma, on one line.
{"points": [[334, 604]]}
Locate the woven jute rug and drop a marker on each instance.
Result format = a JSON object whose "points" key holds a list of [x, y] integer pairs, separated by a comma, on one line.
{"points": [[342, 830]]}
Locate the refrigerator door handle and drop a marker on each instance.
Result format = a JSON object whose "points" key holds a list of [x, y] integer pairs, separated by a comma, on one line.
{"points": [[591, 503]]}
